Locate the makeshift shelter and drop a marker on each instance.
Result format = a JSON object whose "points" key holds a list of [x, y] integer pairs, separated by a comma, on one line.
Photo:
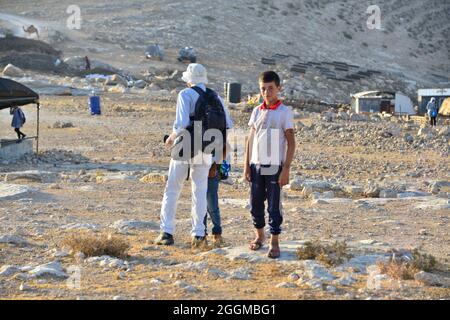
{"points": [[382, 101], [424, 96], [13, 93], [445, 108]]}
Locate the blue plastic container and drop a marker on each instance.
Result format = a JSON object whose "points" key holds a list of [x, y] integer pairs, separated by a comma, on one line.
{"points": [[94, 105]]}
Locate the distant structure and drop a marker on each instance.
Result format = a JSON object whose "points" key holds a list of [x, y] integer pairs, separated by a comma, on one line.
{"points": [[424, 96], [30, 30], [382, 101]]}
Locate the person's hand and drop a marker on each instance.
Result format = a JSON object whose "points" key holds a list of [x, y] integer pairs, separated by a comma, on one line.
{"points": [[170, 140], [284, 177], [247, 173]]}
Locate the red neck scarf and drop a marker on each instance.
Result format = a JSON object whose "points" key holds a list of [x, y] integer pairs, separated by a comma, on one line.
{"points": [[272, 107]]}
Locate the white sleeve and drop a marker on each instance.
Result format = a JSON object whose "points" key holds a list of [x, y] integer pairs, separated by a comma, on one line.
{"points": [[182, 113], [288, 122], [252, 121]]}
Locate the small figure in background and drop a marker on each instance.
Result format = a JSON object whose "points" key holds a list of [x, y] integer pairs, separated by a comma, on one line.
{"points": [[18, 121], [432, 110], [88, 63]]}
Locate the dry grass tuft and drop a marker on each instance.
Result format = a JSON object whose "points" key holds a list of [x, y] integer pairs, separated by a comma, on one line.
{"points": [[329, 254], [92, 246], [404, 268]]}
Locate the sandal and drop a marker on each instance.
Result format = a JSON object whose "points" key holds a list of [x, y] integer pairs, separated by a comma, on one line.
{"points": [[274, 253], [255, 245]]}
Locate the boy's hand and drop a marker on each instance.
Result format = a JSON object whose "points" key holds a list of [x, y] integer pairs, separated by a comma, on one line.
{"points": [[247, 173], [284, 177]]}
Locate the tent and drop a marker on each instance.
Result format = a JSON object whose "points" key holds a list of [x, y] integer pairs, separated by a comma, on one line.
{"points": [[445, 108], [13, 93], [382, 101]]}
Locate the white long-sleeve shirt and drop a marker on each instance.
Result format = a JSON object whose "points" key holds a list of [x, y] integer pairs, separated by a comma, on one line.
{"points": [[186, 101]]}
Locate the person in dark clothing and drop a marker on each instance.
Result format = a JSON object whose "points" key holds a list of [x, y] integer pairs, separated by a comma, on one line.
{"points": [[432, 110], [18, 121], [88, 63]]}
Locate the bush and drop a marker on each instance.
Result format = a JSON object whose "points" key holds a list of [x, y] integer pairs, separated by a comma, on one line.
{"points": [[102, 245], [329, 254], [405, 269]]}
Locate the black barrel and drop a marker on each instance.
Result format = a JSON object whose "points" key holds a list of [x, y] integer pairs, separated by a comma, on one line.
{"points": [[234, 92]]}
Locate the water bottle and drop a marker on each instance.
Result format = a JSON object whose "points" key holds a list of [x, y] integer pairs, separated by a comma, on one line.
{"points": [[224, 170]]}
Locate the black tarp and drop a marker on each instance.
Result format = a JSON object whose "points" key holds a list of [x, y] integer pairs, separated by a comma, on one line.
{"points": [[14, 93]]}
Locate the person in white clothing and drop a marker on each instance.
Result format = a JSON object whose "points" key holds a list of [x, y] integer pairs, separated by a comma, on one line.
{"points": [[197, 167]]}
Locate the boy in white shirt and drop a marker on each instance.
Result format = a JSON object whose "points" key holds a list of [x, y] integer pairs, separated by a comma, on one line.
{"points": [[269, 153]]}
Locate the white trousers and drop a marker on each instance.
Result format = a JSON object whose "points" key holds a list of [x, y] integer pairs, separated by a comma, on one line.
{"points": [[178, 171]]}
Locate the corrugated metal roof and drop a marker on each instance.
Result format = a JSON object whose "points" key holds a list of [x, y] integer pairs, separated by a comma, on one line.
{"points": [[433, 92]]}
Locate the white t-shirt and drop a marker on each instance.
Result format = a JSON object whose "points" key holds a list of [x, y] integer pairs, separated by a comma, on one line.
{"points": [[269, 144]]}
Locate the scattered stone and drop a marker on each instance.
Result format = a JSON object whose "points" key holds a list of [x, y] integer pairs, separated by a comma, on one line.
{"points": [[11, 191], [32, 175], [316, 271], [239, 274], [13, 239], [429, 279], [141, 84], [293, 276], [286, 285], [354, 190], [79, 226], [52, 269], [122, 225], [388, 193], [62, 125], [8, 270], [185, 286], [346, 280], [24, 287]]}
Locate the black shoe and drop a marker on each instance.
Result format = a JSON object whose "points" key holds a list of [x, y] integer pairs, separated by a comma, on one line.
{"points": [[198, 242], [165, 239]]}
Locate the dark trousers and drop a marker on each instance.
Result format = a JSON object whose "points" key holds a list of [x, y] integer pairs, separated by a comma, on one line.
{"points": [[264, 186], [433, 121], [19, 133]]}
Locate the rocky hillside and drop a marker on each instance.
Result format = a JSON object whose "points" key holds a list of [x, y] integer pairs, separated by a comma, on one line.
{"points": [[410, 50]]}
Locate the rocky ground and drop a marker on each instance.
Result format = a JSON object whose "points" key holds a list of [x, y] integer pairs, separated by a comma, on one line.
{"points": [[378, 183]]}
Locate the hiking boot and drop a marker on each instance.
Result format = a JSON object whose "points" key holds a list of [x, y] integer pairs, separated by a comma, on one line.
{"points": [[165, 239], [198, 242], [217, 240]]}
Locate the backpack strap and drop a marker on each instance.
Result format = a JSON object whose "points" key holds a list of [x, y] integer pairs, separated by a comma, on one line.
{"points": [[199, 91]]}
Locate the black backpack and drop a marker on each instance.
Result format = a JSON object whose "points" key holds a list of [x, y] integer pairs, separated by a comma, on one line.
{"points": [[209, 114]]}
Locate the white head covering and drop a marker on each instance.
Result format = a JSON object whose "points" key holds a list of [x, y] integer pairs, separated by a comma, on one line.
{"points": [[195, 73]]}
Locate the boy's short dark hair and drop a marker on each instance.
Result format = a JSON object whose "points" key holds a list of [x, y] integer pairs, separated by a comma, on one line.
{"points": [[269, 76]]}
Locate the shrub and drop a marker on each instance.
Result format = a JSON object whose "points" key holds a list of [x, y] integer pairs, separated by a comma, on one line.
{"points": [[329, 254], [92, 246], [405, 268]]}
